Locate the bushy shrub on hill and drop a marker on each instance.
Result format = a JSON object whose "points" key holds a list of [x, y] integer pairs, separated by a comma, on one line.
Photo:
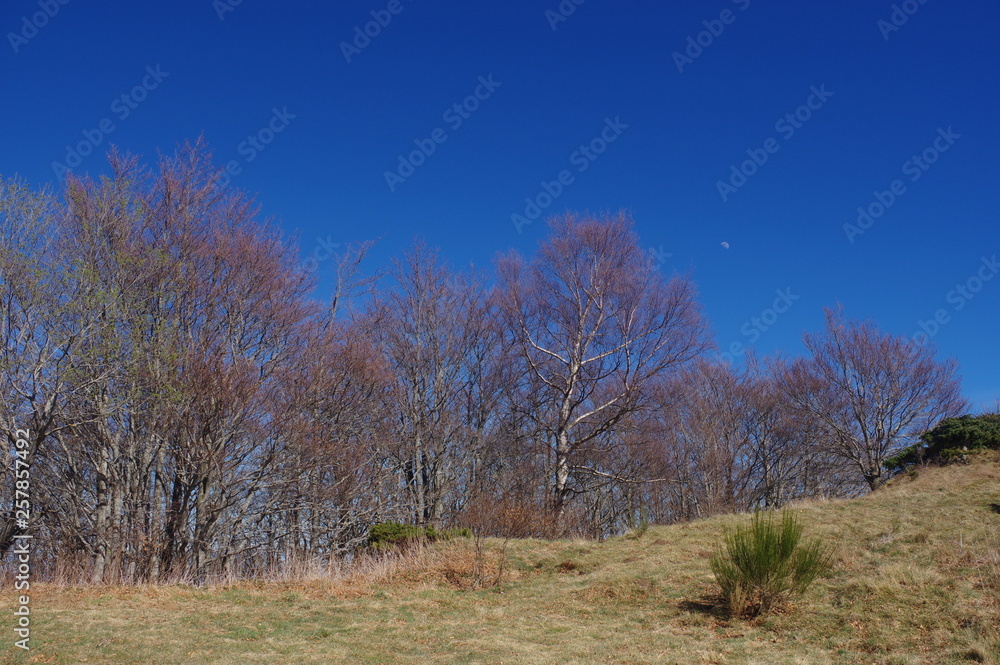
{"points": [[765, 563], [951, 439], [390, 535]]}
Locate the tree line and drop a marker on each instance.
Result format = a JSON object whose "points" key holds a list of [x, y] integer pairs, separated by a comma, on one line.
{"points": [[196, 408]]}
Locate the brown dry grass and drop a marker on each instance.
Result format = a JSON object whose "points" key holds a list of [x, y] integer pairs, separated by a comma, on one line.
{"points": [[917, 581]]}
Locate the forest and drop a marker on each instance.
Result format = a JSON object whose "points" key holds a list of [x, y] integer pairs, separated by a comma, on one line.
{"points": [[196, 407]]}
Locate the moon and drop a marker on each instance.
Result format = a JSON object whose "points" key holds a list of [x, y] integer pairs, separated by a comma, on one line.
{"points": [[725, 245]]}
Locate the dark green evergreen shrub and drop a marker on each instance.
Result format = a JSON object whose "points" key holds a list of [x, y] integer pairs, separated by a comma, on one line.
{"points": [[949, 441], [389, 535]]}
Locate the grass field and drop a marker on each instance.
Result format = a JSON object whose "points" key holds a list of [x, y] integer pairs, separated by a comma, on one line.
{"points": [[917, 580]]}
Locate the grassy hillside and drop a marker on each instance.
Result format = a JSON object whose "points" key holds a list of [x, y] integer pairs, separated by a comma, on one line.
{"points": [[917, 581]]}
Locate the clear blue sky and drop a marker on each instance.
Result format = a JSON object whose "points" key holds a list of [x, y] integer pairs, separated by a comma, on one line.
{"points": [[607, 65]]}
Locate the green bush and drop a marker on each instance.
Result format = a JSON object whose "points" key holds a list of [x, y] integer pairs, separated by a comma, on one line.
{"points": [[949, 441], [762, 565], [389, 535]]}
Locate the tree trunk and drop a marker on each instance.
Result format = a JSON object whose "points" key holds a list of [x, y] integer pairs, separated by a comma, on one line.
{"points": [[561, 480]]}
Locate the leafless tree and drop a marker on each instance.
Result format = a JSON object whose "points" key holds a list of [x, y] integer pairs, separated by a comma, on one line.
{"points": [[871, 392], [44, 320], [433, 326], [337, 398], [593, 324]]}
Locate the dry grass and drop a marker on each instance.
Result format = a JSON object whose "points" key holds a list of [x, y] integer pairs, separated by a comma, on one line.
{"points": [[917, 581]]}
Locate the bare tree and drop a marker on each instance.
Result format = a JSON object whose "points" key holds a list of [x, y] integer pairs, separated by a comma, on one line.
{"points": [[702, 422], [338, 478], [44, 319], [166, 430], [871, 392], [239, 302], [434, 329], [593, 323]]}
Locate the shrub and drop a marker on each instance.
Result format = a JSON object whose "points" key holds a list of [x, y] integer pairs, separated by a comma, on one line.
{"points": [[389, 535], [950, 441], [762, 565]]}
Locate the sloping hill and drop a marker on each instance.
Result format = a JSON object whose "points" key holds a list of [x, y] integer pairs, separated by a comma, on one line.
{"points": [[918, 581]]}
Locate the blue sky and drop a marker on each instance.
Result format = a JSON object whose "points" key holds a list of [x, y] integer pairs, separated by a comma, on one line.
{"points": [[687, 91]]}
